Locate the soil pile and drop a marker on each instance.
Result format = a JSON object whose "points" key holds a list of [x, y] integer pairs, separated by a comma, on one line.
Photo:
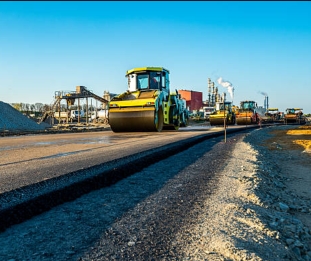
{"points": [[12, 120]]}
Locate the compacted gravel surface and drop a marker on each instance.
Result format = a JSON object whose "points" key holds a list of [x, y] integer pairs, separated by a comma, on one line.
{"points": [[215, 201]]}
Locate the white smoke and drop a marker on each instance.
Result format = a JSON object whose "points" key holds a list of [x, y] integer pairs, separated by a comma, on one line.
{"points": [[227, 85], [263, 93]]}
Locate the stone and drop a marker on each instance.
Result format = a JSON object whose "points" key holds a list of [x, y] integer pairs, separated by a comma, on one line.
{"points": [[283, 207]]}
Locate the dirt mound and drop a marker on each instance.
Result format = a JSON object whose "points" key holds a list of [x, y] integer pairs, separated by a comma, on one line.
{"points": [[12, 120]]}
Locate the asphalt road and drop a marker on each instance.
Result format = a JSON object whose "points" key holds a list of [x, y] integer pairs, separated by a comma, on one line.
{"points": [[39, 172], [33, 158]]}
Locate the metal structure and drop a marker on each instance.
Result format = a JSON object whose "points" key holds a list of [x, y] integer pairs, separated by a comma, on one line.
{"points": [[213, 95], [81, 93]]}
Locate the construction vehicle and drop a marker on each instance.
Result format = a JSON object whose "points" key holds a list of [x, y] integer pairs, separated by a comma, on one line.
{"points": [[223, 114], [294, 115], [273, 114], [100, 116], [207, 112], [246, 113], [148, 104], [71, 115]]}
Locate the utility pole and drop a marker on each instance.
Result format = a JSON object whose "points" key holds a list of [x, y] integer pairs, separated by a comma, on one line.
{"points": [[225, 125]]}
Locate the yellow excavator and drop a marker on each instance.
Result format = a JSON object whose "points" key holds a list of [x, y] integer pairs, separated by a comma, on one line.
{"points": [[219, 115], [148, 104], [247, 114]]}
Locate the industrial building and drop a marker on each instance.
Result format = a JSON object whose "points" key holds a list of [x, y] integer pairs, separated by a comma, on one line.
{"points": [[194, 100]]}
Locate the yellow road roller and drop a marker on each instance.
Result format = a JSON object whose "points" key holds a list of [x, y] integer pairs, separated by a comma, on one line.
{"points": [[247, 114], [294, 115], [148, 104], [218, 116]]}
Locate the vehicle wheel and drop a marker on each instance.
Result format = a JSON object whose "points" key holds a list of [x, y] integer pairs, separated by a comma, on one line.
{"points": [[185, 123], [159, 118]]}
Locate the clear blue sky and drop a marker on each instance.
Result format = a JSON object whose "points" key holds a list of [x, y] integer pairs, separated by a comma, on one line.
{"points": [[258, 46]]}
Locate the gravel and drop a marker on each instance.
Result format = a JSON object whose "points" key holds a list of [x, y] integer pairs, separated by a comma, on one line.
{"points": [[214, 201], [12, 120]]}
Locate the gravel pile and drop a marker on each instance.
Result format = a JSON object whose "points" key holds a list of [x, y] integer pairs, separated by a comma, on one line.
{"points": [[12, 120], [226, 201]]}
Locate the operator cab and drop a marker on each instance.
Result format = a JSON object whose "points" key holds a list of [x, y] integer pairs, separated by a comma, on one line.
{"points": [[248, 105], [148, 78], [220, 106]]}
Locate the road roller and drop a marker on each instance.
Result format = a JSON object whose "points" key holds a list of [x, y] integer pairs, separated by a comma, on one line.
{"points": [[223, 111], [247, 114], [148, 104], [294, 115]]}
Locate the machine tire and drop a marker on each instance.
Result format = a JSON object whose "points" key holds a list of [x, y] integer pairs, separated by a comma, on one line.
{"points": [[185, 122], [176, 127], [159, 124]]}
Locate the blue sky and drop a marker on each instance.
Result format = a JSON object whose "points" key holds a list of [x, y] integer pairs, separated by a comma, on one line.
{"points": [[258, 46]]}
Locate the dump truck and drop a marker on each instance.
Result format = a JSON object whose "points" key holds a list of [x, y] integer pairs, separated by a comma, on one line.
{"points": [[148, 104], [294, 115], [222, 114], [246, 114]]}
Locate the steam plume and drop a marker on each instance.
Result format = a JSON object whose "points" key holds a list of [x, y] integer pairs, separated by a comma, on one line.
{"points": [[227, 85], [263, 93]]}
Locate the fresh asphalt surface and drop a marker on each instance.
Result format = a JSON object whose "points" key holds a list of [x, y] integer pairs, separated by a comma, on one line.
{"points": [[38, 172]]}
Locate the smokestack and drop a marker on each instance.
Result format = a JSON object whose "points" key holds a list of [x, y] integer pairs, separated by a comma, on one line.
{"points": [[267, 103]]}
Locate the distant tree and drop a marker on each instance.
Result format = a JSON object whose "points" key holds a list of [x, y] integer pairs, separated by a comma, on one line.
{"points": [[39, 107], [27, 108], [32, 108], [17, 106]]}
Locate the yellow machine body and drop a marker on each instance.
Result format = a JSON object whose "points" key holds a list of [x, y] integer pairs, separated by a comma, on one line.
{"points": [[222, 115], [246, 114], [294, 115]]}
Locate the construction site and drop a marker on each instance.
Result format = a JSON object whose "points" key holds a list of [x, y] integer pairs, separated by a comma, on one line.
{"points": [[231, 187], [148, 104]]}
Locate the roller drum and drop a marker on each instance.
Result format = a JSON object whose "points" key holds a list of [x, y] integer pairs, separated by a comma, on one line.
{"points": [[217, 121], [129, 120], [243, 120]]}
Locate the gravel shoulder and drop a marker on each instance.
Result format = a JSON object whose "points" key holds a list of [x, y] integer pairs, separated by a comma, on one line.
{"points": [[238, 200]]}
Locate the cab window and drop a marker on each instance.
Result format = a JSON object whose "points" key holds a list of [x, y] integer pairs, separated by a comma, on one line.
{"points": [[155, 80]]}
